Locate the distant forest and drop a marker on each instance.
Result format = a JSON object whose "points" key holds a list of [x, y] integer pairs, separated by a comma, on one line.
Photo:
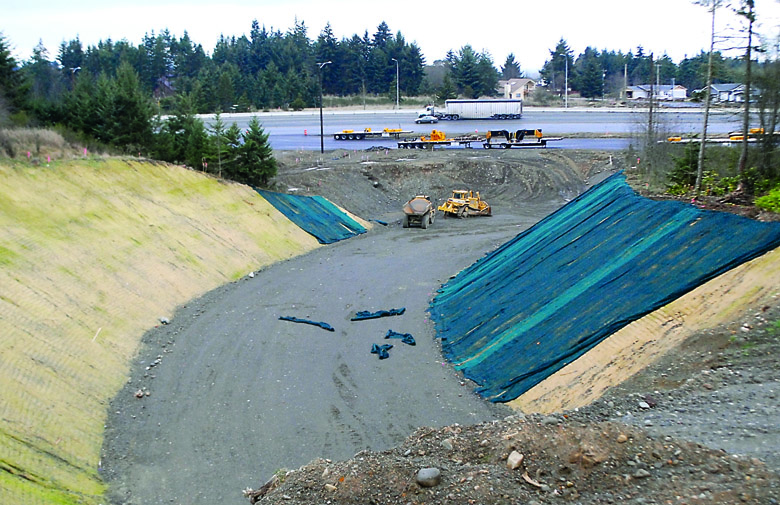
{"points": [[274, 69]]}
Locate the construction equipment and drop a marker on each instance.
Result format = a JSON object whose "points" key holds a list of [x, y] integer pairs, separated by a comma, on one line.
{"points": [[520, 138], [367, 133], [478, 109], [419, 211], [733, 137], [465, 203], [437, 138]]}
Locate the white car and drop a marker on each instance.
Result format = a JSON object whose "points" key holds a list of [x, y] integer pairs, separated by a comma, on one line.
{"points": [[426, 118]]}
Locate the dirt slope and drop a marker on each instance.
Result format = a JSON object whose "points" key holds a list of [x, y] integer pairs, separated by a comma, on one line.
{"points": [[93, 253], [711, 381]]}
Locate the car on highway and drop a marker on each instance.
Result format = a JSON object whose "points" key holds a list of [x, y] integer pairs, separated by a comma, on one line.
{"points": [[426, 118]]}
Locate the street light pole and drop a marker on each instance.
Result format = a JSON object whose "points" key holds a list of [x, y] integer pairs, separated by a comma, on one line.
{"points": [[322, 137], [396, 84]]}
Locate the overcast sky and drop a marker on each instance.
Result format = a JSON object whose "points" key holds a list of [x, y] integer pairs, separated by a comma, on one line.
{"points": [[528, 29]]}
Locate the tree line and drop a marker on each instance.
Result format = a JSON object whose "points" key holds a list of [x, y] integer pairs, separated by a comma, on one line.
{"points": [[596, 74], [116, 92]]}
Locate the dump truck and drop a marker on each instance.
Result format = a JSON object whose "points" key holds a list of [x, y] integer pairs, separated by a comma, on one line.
{"points": [[465, 203], [504, 139], [367, 133], [419, 211], [477, 109]]}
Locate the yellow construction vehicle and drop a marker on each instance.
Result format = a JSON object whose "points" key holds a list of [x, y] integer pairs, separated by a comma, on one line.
{"points": [[367, 133], [464, 203], [437, 138]]}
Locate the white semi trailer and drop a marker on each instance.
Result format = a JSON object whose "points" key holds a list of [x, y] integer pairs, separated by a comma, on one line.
{"points": [[477, 109]]}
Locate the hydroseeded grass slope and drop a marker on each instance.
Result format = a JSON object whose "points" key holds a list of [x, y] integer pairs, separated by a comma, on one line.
{"points": [[92, 254]]}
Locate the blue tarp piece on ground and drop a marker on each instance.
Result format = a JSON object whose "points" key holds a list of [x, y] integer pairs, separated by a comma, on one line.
{"points": [[315, 215], [546, 297], [324, 326], [406, 338], [381, 350], [364, 314]]}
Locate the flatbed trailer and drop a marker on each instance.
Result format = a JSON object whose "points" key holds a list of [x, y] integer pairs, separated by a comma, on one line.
{"points": [[438, 138], [367, 133], [503, 139]]}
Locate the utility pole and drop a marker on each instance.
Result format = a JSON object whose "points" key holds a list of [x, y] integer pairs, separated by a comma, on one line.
{"points": [[322, 136], [566, 74], [396, 84], [625, 81]]}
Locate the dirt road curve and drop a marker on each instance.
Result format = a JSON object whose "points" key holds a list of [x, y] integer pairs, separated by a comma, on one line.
{"points": [[239, 394], [236, 394]]}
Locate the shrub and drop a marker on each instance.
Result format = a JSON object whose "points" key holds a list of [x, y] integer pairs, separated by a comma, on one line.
{"points": [[770, 201], [16, 141]]}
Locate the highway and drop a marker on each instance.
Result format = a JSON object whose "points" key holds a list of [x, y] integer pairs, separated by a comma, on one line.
{"points": [[300, 130]]}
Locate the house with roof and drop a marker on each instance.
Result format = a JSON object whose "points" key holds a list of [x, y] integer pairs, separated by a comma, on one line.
{"points": [[728, 92], [662, 92], [516, 88]]}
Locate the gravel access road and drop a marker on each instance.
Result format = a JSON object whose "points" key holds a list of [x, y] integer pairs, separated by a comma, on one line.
{"points": [[235, 394]]}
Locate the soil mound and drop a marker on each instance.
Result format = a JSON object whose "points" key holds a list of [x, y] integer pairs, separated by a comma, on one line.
{"points": [[556, 459], [375, 183]]}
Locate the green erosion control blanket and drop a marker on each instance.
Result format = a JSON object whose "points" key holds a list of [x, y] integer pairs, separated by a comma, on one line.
{"points": [[546, 297], [315, 215]]}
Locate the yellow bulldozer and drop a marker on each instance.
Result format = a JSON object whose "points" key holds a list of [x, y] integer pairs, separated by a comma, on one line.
{"points": [[465, 203]]}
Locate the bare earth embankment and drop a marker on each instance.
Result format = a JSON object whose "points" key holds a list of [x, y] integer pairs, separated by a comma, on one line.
{"points": [[94, 253], [236, 395]]}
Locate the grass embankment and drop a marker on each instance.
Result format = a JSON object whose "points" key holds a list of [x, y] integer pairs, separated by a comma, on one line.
{"points": [[92, 254]]}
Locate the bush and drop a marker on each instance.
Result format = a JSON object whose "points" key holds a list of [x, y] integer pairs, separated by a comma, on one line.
{"points": [[770, 201], [17, 141]]}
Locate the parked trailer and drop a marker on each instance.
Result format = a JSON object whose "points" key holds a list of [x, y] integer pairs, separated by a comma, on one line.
{"points": [[477, 109], [367, 133], [437, 138], [504, 139]]}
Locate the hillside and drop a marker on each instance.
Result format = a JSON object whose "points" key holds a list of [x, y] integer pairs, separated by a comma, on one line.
{"points": [[96, 253], [93, 252]]}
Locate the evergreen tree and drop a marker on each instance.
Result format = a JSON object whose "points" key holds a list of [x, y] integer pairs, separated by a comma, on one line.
{"points": [[488, 76], [81, 111], [13, 87], [130, 119], [382, 35], [413, 65], [233, 147], [256, 164], [554, 69], [326, 49], [71, 55], [465, 70], [447, 90], [511, 69], [46, 86], [217, 150], [589, 74]]}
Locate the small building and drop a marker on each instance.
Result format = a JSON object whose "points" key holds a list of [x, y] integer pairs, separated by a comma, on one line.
{"points": [[728, 92], [662, 92], [516, 88]]}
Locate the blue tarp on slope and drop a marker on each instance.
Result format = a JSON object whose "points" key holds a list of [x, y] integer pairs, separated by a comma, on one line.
{"points": [[552, 293], [315, 215]]}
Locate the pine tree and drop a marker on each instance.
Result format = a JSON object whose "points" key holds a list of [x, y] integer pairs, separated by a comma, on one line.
{"points": [[511, 69], [217, 150], [447, 90], [13, 87], [256, 163], [130, 122]]}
